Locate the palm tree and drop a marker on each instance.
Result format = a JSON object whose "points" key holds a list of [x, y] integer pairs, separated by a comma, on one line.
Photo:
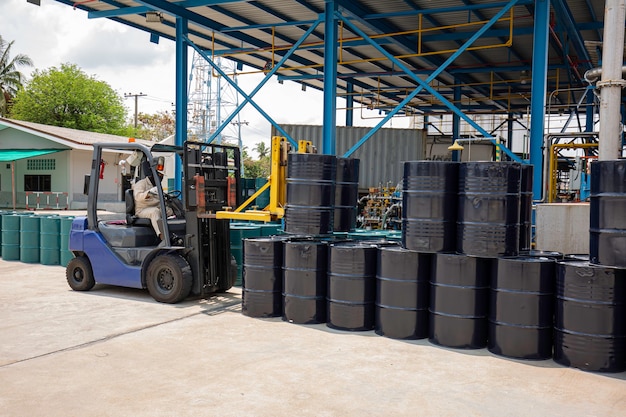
{"points": [[261, 149], [10, 78]]}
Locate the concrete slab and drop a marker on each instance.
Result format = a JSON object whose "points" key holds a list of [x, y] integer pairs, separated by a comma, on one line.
{"points": [[116, 352]]}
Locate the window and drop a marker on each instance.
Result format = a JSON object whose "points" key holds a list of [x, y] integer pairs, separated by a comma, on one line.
{"points": [[40, 164], [37, 182]]}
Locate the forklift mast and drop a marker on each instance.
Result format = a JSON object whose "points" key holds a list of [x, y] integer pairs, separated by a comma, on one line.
{"points": [[211, 173]]}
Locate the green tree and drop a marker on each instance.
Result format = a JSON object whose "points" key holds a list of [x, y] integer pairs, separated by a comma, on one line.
{"points": [[11, 79], [255, 168], [155, 126], [67, 97]]}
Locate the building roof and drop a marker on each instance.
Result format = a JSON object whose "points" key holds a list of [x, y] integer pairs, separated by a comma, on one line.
{"points": [[494, 74], [65, 137]]}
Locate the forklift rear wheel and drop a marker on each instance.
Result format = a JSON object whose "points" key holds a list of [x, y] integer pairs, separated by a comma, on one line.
{"points": [[169, 278], [79, 274]]}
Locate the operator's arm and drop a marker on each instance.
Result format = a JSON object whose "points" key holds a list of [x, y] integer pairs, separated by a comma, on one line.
{"points": [[141, 191]]}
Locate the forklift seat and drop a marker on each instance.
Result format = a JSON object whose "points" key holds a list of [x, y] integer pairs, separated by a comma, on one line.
{"points": [[131, 218]]}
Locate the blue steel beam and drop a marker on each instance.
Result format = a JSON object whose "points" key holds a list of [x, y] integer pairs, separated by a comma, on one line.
{"points": [[349, 104], [538, 98], [181, 93], [564, 15], [329, 123], [424, 84], [248, 98], [128, 10]]}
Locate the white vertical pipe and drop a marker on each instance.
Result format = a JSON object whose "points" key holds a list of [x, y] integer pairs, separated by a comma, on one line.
{"points": [[611, 82]]}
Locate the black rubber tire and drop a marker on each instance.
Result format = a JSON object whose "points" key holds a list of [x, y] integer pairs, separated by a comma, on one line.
{"points": [[169, 278], [227, 283], [79, 274]]}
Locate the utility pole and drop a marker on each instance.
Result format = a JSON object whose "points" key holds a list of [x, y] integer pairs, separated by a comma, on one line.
{"points": [[127, 95]]}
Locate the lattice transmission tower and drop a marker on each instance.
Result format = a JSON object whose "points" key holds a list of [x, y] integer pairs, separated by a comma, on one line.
{"points": [[211, 100]]}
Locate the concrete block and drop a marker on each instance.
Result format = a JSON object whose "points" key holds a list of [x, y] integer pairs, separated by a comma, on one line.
{"points": [[562, 227]]}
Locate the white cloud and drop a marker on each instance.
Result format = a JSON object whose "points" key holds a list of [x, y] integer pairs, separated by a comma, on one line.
{"points": [[124, 58]]}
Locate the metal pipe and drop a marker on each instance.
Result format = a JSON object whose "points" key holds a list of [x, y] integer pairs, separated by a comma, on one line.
{"points": [[611, 83]]}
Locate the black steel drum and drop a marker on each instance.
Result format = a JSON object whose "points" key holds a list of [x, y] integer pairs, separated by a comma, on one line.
{"points": [[402, 291], [607, 219], [262, 279], [526, 208], [310, 193], [346, 194], [304, 281], [521, 307], [589, 324], [459, 301], [429, 206], [352, 285], [489, 206]]}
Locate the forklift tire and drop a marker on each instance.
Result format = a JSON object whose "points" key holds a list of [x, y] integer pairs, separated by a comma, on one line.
{"points": [[169, 278], [79, 274]]}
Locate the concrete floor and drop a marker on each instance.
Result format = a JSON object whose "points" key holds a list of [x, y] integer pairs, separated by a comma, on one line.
{"points": [[116, 352]]}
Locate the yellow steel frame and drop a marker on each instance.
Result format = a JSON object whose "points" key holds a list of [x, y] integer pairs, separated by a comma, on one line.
{"points": [[277, 184], [554, 150]]}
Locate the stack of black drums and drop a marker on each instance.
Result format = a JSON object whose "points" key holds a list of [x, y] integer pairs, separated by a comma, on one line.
{"points": [[464, 275]]}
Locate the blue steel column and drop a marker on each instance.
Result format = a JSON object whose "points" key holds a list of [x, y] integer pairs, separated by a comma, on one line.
{"points": [[456, 120], [349, 104], [181, 93], [330, 79], [539, 84]]}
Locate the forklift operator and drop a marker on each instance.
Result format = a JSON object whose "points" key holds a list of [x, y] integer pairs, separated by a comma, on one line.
{"points": [[147, 203]]}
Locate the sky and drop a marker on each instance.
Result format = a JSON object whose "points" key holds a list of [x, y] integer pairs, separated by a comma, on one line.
{"points": [[124, 58]]}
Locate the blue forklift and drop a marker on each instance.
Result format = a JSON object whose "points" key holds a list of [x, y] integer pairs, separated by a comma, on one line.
{"points": [[194, 256]]}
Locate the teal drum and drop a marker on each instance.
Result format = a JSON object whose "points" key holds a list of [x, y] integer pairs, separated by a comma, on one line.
{"points": [[50, 240], [263, 200], [30, 227], [239, 232], [11, 236], [65, 225]]}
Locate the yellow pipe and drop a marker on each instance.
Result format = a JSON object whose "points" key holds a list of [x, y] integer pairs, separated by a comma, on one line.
{"points": [[553, 164]]}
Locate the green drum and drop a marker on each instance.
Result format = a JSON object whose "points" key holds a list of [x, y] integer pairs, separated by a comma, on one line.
{"points": [[11, 237], [264, 199], [270, 229], [239, 232], [65, 255], [29, 239], [50, 240]]}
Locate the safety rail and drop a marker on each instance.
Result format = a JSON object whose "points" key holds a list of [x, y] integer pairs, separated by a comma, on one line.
{"points": [[47, 200]]}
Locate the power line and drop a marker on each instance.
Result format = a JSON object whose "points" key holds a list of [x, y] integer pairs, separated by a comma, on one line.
{"points": [[127, 95]]}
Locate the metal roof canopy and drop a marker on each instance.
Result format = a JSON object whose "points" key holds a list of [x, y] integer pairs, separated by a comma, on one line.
{"points": [[399, 56], [9, 155]]}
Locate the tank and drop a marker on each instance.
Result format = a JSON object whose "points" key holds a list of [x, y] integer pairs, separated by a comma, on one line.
{"points": [[30, 239], [11, 236], [50, 239]]}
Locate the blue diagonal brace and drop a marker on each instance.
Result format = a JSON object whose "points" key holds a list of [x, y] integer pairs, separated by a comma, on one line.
{"points": [[424, 84]]}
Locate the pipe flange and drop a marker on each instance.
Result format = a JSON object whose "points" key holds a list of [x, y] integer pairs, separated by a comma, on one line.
{"points": [[611, 83]]}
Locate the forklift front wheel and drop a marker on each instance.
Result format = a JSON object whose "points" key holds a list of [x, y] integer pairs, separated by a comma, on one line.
{"points": [[169, 278], [79, 274]]}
